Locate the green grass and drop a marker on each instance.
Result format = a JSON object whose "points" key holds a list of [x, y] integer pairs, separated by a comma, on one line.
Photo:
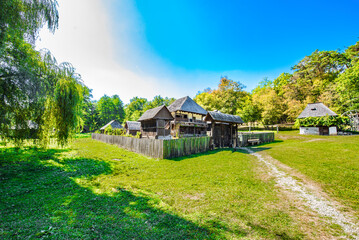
{"points": [[96, 190], [332, 161]]}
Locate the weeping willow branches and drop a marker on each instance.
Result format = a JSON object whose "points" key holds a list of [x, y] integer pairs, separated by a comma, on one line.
{"points": [[39, 98]]}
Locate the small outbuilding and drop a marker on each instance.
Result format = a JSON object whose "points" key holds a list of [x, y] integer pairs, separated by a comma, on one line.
{"points": [[224, 128], [132, 127], [155, 123], [114, 124], [317, 110]]}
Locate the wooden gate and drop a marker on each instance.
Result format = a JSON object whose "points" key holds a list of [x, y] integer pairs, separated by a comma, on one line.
{"points": [[222, 135]]}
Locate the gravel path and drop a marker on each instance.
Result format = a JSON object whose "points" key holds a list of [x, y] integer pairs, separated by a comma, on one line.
{"points": [[319, 204]]}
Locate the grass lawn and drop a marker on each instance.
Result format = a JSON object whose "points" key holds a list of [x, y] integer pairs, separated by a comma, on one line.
{"points": [[96, 190], [332, 161]]}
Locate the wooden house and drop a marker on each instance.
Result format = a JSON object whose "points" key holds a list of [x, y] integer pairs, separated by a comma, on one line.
{"points": [[224, 128], [317, 110], [132, 127], [155, 123], [114, 124], [188, 118]]}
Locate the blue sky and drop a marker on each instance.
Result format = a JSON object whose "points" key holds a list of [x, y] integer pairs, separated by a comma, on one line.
{"points": [[177, 48]]}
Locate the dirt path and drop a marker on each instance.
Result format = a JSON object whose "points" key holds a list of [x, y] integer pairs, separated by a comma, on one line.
{"points": [[304, 191]]}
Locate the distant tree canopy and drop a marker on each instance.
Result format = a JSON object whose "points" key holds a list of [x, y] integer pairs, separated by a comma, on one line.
{"points": [[331, 77], [110, 108], [228, 98], [99, 113], [33, 87]]}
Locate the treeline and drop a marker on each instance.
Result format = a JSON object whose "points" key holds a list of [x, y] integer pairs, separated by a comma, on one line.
{"points": [[330, 77], [99, 113]]}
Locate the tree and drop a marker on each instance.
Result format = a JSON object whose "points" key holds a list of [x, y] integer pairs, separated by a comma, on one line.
{"points": [[348, 88], [272, 107], [159, 101], [135, 108], [90, 114], [33, 87], [110, 108], [228, 98], [315, 72], [251, 113]]}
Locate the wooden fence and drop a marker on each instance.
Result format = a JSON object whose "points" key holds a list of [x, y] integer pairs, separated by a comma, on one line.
{"points": [[145, 146], [185, 146], [264, 137], [158, 148]]}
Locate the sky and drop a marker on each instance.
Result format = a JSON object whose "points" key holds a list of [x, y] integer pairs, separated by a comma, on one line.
{"points": [[176, 48]]}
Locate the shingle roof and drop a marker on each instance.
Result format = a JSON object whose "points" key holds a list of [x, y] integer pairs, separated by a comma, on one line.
{"points": [[132, 125], [151, 113], [222, 117], [113, 123], [316, 110], [186, 104]]}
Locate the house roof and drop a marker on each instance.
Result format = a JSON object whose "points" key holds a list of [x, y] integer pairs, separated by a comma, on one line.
{"points": [[132, 125], [222, 117], [316, 110], [113, 124], [186, 104], [160, 112]]}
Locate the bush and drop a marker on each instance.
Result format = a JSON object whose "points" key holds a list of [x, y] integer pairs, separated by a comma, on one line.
{"points": [[326, 121], [108, 130], [119, 132]]}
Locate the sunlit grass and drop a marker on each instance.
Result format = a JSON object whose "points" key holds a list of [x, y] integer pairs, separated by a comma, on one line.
{"points": [[332, 161], [95, 189]]}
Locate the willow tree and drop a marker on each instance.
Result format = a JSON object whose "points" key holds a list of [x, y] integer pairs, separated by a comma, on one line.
{"points": [[33, 87]]}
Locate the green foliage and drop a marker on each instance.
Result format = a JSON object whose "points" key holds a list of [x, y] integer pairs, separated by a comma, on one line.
{"points": [[135, 108], [67, 99], [138, 134], [108, 130], [33, 87], [228, 98], [331, 77], [251, 113], [348, 88], [20, 19], [110, 108], [90, 113], [158, 101], [269, 104], [326, 121], [280, 82]]}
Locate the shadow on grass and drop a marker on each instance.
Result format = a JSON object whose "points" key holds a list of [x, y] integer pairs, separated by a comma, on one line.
{"points": [[40, 198]]}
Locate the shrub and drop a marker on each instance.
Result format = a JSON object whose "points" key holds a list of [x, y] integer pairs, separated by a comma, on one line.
{"points": [[108, 130], [326, 121]]}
